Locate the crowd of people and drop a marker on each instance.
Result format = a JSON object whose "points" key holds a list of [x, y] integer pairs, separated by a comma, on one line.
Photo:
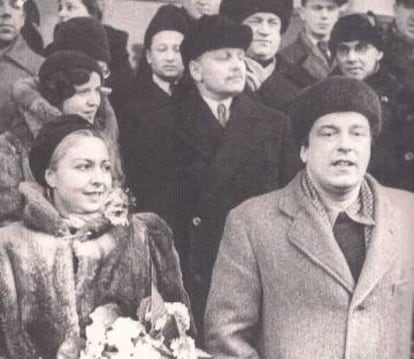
{"points": [[268, 189]]}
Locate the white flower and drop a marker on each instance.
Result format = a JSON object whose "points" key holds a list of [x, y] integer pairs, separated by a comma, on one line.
{"points": [[183, 348], [180, 313], [115, 207]]}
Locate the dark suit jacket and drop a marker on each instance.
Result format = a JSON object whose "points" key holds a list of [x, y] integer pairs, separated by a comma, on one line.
{"points": [[307, 60], [186, 167]]}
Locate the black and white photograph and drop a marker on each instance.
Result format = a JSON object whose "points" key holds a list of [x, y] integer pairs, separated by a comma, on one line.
{"points": [[207, 179]]}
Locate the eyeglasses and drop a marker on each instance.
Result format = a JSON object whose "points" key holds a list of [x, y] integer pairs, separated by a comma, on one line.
{"points": [[360, 48]]}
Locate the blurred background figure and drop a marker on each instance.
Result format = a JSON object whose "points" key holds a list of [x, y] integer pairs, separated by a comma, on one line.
{"points": [[358, 48], [310, 54]]}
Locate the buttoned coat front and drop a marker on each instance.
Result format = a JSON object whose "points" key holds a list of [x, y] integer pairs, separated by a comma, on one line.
{"points": [[187, 168], [282, 288]]}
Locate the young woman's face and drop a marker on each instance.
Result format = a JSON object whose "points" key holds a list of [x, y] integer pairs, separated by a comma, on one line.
{"points": [[81, 177], [68, 9], [86, 100]]}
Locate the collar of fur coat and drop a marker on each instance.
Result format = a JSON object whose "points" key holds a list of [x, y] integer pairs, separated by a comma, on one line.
{"points": [[40, 214]]}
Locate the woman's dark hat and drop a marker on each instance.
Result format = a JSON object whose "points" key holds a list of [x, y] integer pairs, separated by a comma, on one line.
{"points": [[48, 139]]}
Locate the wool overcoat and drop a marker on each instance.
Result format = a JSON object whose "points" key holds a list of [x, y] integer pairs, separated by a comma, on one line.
{"points": [[192, 171], [18, 62], [282, 288]]}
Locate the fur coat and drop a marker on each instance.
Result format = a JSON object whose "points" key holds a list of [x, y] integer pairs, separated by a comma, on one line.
{"points": [[48, 287]]}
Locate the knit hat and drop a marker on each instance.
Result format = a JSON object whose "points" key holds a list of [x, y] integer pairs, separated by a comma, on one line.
{"points": [[355, 27], [168, 17], [66, 61], [334, 94], [48, 139], [212, 33], [83, 34], [240, 10]]}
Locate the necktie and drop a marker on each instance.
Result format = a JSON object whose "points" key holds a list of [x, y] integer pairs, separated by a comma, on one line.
{"points": [[221, 114], [351, 239], [323, 46]]}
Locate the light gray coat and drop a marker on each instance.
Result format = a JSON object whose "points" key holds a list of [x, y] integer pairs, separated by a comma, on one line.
{"points": [[282, 288]]}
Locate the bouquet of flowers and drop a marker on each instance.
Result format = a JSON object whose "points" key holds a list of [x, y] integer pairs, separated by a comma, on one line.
{"points": [[114, 337]]}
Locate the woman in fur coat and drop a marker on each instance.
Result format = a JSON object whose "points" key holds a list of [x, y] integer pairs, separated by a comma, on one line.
{"points": [[76, 248]]}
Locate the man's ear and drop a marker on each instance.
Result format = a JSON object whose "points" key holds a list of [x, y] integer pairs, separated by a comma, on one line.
{"points": [[303, 153], [195, 69], [148, 56]]}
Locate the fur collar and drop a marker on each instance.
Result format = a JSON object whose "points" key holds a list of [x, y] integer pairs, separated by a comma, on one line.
{"points": [[40, 215]]}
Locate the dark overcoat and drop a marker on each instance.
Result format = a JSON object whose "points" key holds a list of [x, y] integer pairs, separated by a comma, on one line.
{"points": [[282, 288], [192, 171]]}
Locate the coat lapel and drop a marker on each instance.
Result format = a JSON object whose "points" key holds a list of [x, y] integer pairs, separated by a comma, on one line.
{"points": [[382, 251], [196, 124], [310, 235]]}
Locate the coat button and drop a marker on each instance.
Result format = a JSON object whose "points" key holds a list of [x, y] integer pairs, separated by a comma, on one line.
{"points": [[409, 156], [196, 221], [361, 307]]}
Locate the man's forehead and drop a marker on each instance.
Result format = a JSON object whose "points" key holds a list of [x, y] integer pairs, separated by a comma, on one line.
{"points": [[263, 15]]}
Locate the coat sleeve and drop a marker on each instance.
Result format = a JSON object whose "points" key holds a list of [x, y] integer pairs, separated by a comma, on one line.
{"points": [[233, 305]]}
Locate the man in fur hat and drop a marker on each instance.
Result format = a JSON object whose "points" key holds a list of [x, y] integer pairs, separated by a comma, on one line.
{"points": [[268, 75], [310, 54], [323, 267], [358, 48], [210, 150]]}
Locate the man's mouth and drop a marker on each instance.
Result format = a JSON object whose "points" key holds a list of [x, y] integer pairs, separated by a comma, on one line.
{"points": [[343, 163]]}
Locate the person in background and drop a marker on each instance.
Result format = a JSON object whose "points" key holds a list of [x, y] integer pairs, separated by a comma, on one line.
{"points": [[310, 54], [195, 9], [323, 267], [77, 248], [268, 75], [211, 149], [358, 48], [17, 60], [399, 40], [163, 66], [121, 73], [30, 30]]}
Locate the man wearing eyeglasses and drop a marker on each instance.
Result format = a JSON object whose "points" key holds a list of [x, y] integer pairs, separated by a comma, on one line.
{"points": [[17, 60], [357, 45]]}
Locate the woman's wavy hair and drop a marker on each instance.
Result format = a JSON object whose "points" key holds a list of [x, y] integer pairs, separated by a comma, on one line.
{"points": [[60, 86]]}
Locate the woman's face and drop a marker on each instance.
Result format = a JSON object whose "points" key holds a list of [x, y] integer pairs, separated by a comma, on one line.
{"points": [[86, 100], [68, 9], [81, 177]]}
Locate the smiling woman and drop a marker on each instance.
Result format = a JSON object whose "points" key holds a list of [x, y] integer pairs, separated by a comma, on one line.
{"points": [[77, 248]]}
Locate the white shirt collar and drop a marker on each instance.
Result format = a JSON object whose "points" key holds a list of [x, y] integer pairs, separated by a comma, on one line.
{"points": [[213, 104]]}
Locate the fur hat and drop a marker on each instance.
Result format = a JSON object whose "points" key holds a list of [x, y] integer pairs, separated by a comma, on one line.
{"points": [[83, 34], [48, 139], [168, 17], [66, 61], [239, 10], [407, 3], [212, 33], [355, 27], [334, 94]]}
